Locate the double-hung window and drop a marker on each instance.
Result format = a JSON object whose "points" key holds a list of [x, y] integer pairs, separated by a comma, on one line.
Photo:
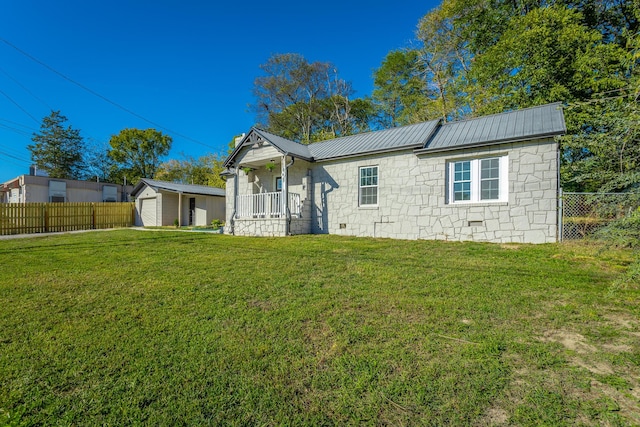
{"points": [[478, 180], [368, 186]]}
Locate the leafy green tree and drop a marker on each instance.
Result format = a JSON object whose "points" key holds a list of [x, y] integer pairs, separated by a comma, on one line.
{"points": [[137, 153], [399, 93], [58, 150], [306, 101], [99, 166], [204, 170], [544, 56]]}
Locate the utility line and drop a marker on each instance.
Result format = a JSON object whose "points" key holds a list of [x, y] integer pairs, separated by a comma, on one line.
{"points": [[18, 124], [14, 163], [18, 105], [25, 89], [104, 98], [12, 151], [14, 157], [11, 128]]}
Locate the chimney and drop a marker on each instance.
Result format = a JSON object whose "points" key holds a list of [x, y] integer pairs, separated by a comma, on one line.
{"points": [[239, 139], [32, 170]]}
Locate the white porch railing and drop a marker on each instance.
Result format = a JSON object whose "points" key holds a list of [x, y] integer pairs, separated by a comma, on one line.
{"points": [[266, 205]]}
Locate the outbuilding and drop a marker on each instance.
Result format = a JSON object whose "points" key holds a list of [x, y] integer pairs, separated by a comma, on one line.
{"points": [[161, 203]]}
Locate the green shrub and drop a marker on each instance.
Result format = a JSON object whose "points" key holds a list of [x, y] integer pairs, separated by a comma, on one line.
{"points": [[623, 232]]}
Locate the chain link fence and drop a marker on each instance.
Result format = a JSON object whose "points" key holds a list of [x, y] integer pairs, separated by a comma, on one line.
{"points": [[584, 213]]}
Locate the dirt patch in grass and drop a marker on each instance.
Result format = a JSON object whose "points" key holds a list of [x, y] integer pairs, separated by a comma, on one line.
{"points": [[570, 340], [623, 320], [494, 416]]}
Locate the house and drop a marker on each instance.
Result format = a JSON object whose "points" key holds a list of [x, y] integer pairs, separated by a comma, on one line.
{"points": [[160, 203], [493, 179], [43, 189]]}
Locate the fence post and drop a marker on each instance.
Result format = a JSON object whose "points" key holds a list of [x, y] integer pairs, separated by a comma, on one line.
{"points": [[46, 218], [560, 215], [93, 216]]}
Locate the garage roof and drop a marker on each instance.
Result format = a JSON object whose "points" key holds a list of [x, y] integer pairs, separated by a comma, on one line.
{"points": [[178, 188]]}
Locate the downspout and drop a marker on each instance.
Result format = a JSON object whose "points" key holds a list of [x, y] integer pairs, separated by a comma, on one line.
{"points": [[287, 230]]}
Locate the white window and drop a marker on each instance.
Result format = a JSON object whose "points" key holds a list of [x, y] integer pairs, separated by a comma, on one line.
{"points": [[368, 186], [478, 180]]}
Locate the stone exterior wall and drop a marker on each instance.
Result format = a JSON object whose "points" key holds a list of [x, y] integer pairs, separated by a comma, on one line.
{"points": [[271, 227], [413, 197]]}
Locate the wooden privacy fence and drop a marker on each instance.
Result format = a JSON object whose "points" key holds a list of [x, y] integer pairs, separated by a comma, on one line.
{"points": [[25, 218]]}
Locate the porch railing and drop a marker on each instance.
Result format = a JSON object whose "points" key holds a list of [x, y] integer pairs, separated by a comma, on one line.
{"points": [[266, 205]]}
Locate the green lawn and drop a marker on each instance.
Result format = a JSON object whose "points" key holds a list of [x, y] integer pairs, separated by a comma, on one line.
{"points": [[172, 328]]}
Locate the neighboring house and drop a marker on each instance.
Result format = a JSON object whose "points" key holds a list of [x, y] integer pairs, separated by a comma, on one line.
{"points": [[161, 203], [31, 188], [493, 178]]}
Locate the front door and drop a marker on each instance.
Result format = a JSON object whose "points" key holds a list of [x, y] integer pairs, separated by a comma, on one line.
{"points": [[192, 210]]}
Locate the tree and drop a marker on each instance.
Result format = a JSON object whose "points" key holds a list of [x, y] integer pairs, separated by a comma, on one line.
{"points": [[476, 57], [204, 170], [58, 150], [306, 101], [544, 56], [99, 166], [138, 152], [399, 93]]}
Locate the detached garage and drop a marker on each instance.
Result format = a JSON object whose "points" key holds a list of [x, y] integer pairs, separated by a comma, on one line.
{"points": [[160, 203]]}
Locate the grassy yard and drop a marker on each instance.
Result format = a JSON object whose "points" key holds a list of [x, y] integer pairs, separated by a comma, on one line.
{"points": [[173, 328]]}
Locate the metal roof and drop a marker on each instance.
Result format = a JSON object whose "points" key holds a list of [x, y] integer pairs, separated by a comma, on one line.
{"points": [[179, 188], [285, 145], [371, 142], [530, 123]]}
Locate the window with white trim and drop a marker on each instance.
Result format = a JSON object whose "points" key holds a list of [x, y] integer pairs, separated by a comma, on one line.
{"points": [[478, 180], [368, 186]]}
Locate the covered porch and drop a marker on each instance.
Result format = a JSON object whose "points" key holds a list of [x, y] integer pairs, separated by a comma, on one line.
{"points": [[267, 188]]}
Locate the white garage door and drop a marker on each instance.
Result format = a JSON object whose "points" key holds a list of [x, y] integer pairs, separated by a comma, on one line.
{"points": [[148, 212]]}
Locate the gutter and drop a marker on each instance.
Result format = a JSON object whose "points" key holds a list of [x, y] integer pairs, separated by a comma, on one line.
{"points": [[485, 144]]}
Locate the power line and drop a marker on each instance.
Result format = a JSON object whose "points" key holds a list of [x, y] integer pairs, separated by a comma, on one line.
{"points": [[25, 89], [14, 163], [18, 105], [15, 130], [18, 124], [104, 98], [14, 157], [12, 151]]}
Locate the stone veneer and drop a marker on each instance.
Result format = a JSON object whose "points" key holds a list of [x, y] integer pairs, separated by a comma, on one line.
{"points": [[412, 201], [412, 198]]}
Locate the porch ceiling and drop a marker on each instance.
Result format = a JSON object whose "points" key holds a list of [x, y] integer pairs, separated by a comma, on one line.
{"points": [[257, 164]]}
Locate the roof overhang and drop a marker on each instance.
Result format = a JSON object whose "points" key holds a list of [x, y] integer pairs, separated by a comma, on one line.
{"points": [[485, 144], [256, 138]]}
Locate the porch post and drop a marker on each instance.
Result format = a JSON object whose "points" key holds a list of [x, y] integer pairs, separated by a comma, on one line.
{"points": [[285, 192], [179, 209]]}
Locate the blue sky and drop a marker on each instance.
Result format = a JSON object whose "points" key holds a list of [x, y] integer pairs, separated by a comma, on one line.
{"points": [[186, 65]]}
